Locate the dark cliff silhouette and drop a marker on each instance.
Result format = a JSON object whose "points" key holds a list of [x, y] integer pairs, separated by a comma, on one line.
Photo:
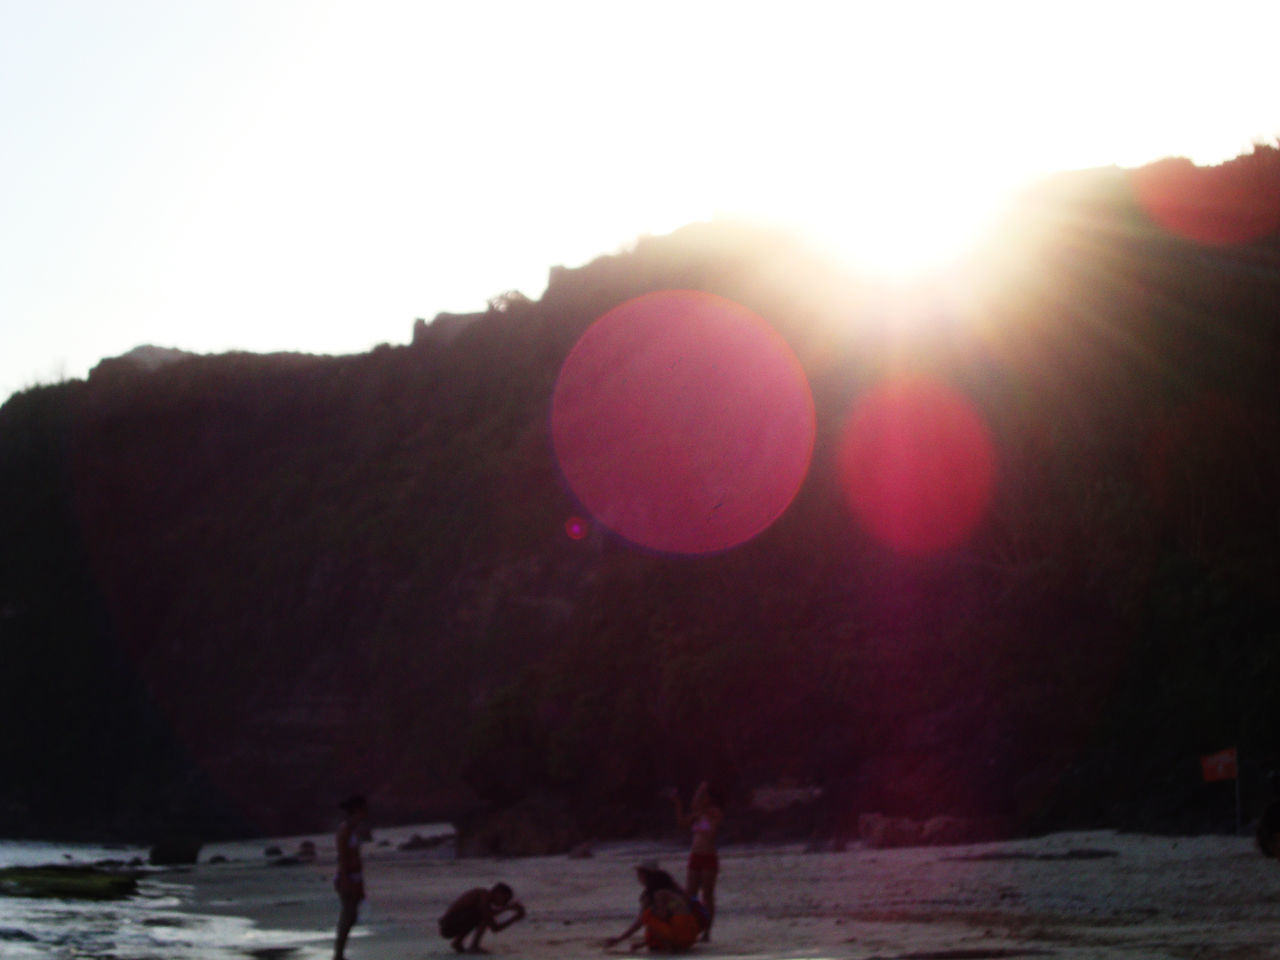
{"points": [[234, 587]]}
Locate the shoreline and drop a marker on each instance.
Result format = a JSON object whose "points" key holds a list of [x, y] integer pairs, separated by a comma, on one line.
{"points": [[1079, 895]]}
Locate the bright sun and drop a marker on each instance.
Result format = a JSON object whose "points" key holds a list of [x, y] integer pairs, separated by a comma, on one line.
{"points": [[899, 223]]}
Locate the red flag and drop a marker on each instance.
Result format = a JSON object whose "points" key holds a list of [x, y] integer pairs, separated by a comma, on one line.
{"points": [[1219, 766]]}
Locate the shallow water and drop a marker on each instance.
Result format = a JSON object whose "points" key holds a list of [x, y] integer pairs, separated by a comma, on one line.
{"points": [[30, 853], [156, 923], [149, 926]]}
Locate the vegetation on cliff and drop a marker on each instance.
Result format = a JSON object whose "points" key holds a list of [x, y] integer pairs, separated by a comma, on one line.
{"points": [[233, 588]]}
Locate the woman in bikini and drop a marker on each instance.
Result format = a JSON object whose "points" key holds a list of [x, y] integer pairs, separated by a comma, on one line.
{"points": [[704, 817]]}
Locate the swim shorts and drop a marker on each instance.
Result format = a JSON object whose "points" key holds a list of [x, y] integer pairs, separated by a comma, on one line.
{"points": [[457, 923], [704, 863]]}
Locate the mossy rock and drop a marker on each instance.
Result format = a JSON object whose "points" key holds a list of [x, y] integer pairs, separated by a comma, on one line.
{"points": [[68, 883]]}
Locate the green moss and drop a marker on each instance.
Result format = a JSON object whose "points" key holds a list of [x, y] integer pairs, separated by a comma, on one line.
{"points": [[71, 883]]}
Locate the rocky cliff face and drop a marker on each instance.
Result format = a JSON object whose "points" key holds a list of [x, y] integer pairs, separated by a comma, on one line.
{"points": [[235, 588]]}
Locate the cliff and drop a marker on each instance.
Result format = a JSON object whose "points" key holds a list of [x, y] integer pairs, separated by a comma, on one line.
{"points": [[233, 588]]}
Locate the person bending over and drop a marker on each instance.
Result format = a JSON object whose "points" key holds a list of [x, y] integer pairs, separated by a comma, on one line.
{"points": [[475, 912]]}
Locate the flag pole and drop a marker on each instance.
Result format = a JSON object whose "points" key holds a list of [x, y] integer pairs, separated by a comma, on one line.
{"points": [[1238, 818]]}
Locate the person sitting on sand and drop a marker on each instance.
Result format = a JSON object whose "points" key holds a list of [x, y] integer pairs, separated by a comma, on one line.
{"points": [[478, 910], [349, 880], [668, 918]]}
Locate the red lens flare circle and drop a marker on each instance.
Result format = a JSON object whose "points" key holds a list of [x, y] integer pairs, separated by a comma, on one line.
{"points": [[917, 465], [683, 422], [575, 528], [1233, 203]]}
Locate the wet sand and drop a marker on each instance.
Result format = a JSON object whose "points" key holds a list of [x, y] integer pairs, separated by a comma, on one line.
{"points": [[1070, 896]]}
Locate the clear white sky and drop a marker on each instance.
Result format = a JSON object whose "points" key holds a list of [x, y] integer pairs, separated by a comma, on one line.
{"points": [[314, 174]]}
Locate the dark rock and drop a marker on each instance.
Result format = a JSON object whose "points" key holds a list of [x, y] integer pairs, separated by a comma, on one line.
{"points": [[307, 851], [272, 852], [950, 831], [581, 852], [837, 844], [533, 828], [880, 832], [174, 851], [419, 842]]}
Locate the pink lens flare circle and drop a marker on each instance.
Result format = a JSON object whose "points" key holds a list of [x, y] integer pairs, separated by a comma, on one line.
{"points": [[683, 422], [917, 465], [1232, 203], [575, 528]]}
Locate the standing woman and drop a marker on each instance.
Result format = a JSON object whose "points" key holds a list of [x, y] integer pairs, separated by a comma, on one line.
{"points": [[704, 817], [349, 881]]}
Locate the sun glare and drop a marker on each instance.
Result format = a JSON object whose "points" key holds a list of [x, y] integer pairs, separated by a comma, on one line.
{"points": [[904, 222]]}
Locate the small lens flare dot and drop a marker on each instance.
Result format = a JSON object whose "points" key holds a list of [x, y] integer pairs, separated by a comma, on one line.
{"points": [[576, 528]]}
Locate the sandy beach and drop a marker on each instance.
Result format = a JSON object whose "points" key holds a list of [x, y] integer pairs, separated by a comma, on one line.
{"points": [[1071, 896]]}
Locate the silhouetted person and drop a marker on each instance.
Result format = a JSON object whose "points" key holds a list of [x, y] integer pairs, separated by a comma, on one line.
{"points": [[476, 911], [349, 880]]}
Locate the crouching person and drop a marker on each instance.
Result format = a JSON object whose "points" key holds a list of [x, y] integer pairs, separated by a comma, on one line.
{"points": [[475, 912]]}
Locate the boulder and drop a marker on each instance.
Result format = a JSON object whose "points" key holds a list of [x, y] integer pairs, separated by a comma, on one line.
{"points": [[174, 851], [950, 831], [774, 797], [533, 828], [419, 842], [880, 832], [826, 845], [307, 851]]}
